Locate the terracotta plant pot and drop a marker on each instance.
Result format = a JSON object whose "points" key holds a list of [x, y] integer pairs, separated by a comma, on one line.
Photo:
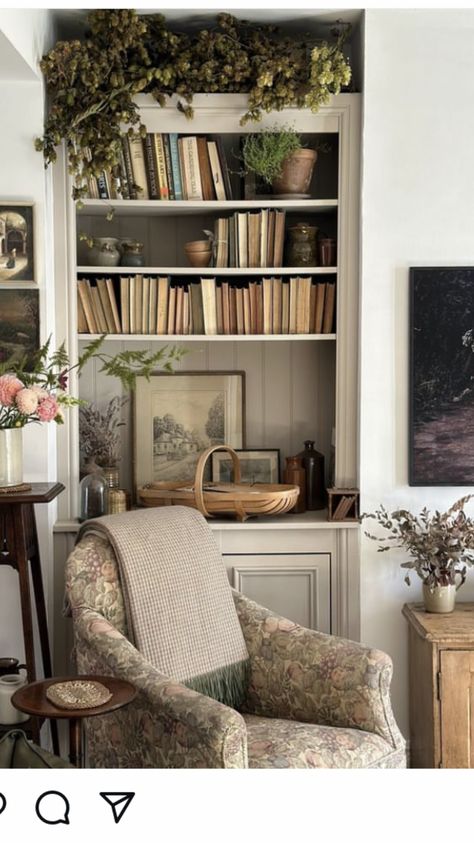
{"points": [[296, 175], [440, 599]]}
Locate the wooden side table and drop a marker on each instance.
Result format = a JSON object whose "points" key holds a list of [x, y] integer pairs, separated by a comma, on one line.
{"points": [[32, 699], [441, 658], [18, 546]]}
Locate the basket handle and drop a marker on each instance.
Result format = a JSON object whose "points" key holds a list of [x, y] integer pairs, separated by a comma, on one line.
{"points": [[199, 476]]}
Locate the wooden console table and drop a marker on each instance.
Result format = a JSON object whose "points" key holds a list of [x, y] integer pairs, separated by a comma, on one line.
{"points": [[18, 546], [441, 686]]}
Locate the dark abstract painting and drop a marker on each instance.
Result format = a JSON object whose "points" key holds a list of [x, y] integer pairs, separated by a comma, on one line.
{"points": [[442, 376]]}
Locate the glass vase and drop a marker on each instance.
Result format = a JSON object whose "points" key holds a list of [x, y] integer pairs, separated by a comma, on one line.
{"points": [[11, 456], [93, 495]]}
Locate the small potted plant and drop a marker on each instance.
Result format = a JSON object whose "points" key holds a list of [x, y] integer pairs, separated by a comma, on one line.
{"points": [[440, 544], [279, 158]]}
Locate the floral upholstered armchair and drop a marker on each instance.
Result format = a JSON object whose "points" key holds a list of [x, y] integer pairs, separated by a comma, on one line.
{"points": [[313, 700]]}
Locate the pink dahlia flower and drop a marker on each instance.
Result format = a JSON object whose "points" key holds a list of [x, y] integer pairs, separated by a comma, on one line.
{"points": [[48, 409], [40, 392], [9, 386], [27, 401]]}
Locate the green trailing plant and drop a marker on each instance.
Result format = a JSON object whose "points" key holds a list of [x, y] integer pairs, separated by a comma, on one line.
{"points": [[128, 365], [264, 153], [92, 84]]}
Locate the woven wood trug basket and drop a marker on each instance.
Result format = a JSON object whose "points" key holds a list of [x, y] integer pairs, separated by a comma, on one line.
{"points": [[239, 499]]}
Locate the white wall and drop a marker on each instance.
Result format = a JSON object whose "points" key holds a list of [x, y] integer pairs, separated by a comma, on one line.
{"points": [[417, 209], [22, 177]]}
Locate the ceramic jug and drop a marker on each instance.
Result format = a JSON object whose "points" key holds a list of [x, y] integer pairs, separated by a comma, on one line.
{"points": [[9, 715]]}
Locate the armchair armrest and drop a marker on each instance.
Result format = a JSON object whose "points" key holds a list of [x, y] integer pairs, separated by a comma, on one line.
{"points": [[168, 724], [304, 675]]}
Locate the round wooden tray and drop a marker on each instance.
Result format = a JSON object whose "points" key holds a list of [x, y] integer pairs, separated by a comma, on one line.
{"points": [[239, 499]]}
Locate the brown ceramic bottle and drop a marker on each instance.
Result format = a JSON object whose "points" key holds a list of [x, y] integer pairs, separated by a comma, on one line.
{"points": [[295, 476], [313, 463]]}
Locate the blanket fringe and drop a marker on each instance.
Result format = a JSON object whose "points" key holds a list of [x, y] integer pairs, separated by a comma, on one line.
{"points": [[227, 684]]}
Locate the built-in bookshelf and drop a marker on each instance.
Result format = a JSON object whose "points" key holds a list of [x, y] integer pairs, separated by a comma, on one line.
{"points": [[299, 384]]}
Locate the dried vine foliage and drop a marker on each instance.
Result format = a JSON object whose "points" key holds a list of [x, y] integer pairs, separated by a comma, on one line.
{"points": [[92, 83], [441, 544]]}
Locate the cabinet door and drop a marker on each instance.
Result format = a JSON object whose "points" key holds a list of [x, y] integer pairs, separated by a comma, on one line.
{"points": [[294, 585], [457, 708]]}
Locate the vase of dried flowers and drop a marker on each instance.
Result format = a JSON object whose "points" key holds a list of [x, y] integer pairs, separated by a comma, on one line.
{"points": [[440, 545]]}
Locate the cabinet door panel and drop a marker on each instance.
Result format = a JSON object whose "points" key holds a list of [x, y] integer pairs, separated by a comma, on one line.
{"points": [[457, 708], [293, 585]]}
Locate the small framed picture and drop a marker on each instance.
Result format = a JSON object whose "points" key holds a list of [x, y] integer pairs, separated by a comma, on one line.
{"points": [[16, 242], [178, 415], [261, 465]]}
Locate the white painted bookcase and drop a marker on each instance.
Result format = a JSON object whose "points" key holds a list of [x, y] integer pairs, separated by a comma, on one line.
{"points": [[297, 387]]}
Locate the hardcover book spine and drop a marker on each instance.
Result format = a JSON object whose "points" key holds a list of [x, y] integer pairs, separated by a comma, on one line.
{"points": [[128, 167], [169, 168], [161, 167], [178, 191], [137, 154], [151, 168]]}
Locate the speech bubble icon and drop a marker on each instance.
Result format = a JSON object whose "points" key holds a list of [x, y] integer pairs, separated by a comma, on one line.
{"points": [[3, 803], [52, 808]]}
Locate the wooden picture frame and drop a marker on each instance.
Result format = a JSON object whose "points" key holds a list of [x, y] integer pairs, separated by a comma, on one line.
{"points": [[17, 244], [178, 415], [257, 465], [441, 378]]}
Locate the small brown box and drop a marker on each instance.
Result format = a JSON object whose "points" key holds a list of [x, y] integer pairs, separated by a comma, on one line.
{"points": [[343, 504]]}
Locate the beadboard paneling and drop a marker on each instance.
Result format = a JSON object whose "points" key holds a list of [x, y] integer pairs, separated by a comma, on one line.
{"points": [[289, 391]]}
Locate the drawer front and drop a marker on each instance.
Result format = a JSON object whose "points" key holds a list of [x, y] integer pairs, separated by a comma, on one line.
{"points": [[295, 585]]}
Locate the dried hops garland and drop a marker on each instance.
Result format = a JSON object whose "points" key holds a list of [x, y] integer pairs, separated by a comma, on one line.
{"points": [[92, 83]]}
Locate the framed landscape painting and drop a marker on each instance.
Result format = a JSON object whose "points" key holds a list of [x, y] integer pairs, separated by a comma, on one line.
{"points": [[16, 242], [177, 416], [19, 324], [441, 376], [261, 465]]}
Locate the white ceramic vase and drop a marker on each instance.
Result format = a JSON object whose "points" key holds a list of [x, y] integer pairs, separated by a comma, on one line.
{"points": [[11, 456], [9, 715], [439, 598]]}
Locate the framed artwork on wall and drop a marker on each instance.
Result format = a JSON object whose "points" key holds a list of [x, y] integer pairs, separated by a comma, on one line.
{"points": [[177, 416], [261, 465], [19, 324], [16, 242], [441, 426]]}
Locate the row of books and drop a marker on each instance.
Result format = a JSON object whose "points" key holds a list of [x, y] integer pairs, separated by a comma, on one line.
{"points": [[249, 239], [161, 306], [166, 166]]}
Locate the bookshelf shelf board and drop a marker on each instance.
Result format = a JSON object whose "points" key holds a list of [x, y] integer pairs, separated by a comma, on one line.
{"points": [[179, 338], [149, 207], [305, 521], [209, 270]]}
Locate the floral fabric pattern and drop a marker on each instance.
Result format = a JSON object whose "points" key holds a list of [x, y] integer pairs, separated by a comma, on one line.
{"points": [[300, 674], [302, 684], [284, 743]]}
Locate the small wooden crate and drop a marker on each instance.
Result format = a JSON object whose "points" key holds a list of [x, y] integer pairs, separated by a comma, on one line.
{"points": [[343, 504]]}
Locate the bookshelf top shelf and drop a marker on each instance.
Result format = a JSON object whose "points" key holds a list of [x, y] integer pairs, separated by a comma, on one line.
{"points": [[147, 207], [180, 338], [208, 270]]}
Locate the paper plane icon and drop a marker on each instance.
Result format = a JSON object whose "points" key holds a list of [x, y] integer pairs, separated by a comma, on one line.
{"points": [[119, 802]]}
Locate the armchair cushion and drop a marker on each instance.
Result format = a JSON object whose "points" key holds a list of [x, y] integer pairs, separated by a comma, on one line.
{"points": [[272, 742]]}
